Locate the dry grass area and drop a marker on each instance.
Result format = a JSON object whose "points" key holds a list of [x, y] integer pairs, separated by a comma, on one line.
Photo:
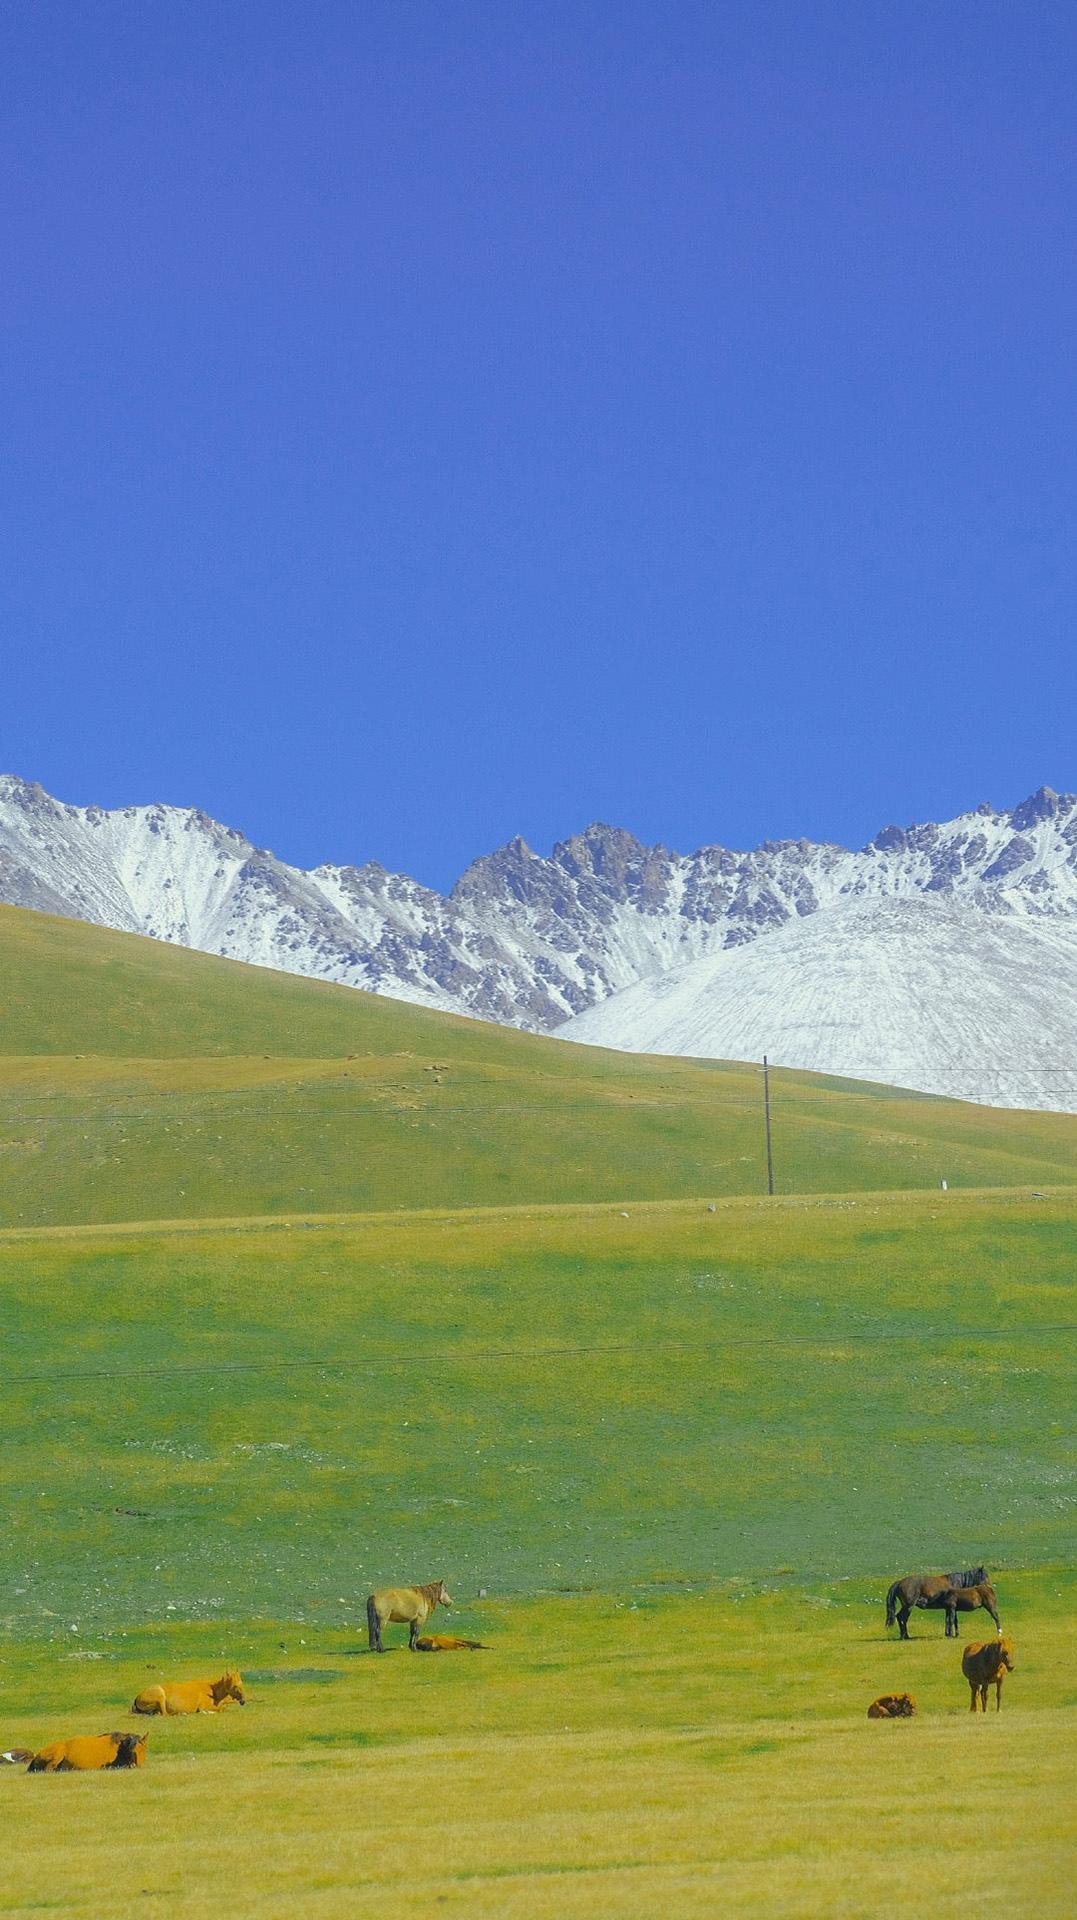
{"points": [[603, 1758]]}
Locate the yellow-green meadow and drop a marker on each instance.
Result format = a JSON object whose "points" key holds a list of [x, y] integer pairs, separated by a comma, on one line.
{"points": [[603, 1756], [302, 1291]]}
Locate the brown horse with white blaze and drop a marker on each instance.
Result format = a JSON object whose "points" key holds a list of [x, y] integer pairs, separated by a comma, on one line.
{"points": [[410, 1606]]}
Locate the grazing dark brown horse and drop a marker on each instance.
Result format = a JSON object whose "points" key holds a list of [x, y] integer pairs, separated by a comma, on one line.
{"points": [[966, 1600], [928, 1590]]}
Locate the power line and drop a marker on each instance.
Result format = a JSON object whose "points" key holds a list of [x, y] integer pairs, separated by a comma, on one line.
{"points": [[454, 1357]]}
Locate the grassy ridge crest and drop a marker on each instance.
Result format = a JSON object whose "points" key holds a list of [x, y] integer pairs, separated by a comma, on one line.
{"points": [[142, 1081]]}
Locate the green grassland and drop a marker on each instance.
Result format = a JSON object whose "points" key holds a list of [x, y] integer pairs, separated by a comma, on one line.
{"points": [[300, 1289], [530, 1398]]}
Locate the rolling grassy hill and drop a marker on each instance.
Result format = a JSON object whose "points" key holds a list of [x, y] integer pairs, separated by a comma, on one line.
{"points": [[140, 1081], [301, 1289]]}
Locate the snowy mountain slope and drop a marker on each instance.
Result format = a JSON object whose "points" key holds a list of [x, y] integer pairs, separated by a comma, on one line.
{"points": [[521, 939], [931, 994]]}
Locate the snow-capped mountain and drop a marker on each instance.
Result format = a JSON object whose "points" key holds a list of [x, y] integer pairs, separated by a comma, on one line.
{"points": [[523, 939], [926, 993]]}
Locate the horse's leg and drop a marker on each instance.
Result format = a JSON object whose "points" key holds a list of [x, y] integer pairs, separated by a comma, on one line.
{"points": [[413, 1632], [998, 1694], [903, 1619], [972, 1690]]}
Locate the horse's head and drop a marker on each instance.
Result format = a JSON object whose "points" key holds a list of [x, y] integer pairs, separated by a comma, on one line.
{"points": [[229, 1687], [442, 1598], [1005, 1653], [971, 1577], [130, 1749]]}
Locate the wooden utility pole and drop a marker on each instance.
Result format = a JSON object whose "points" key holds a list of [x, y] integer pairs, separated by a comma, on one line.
{"points": [[766, 1111]]}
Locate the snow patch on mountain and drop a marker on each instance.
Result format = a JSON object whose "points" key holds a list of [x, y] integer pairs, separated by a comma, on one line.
{"points": [[938, 996]]}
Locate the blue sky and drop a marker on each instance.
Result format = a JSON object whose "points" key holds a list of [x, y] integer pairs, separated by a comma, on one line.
{"points": [[424, 423]]}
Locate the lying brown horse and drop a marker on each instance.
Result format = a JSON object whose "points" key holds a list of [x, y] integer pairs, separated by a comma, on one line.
{"points": [[892, 1706], [447, 1643], [986, 1662], [927, 1590], [91, 1753], [966, 1600], [409, 1605], [191, 1696]]}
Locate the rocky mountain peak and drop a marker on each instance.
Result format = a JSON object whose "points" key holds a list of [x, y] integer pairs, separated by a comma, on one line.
{"points": [[888, 840], [492, 874], [1044, 804], [523, 938]]}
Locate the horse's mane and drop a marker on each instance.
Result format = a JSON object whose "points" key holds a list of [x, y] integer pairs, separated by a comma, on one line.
{"points": [[431, 1590], [972, 1577]]}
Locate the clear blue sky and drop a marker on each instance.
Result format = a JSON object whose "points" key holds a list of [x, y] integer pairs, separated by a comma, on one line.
{"points": [[424, 422]]}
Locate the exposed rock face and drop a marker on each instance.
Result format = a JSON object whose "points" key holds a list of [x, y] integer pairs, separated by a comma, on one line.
{"points": [[521, 939]]}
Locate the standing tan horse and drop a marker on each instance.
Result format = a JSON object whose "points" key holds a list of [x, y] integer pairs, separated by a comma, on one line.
{"points": [[986, 1663], [409, 1605]]}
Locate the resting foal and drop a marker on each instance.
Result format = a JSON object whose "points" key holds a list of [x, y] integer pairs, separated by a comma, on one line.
{"points": [[191, 1696], [892, 1706]]}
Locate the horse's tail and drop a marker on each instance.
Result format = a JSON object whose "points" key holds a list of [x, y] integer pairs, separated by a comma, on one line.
{"points": [[373, 1626], [891, 1603]]}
